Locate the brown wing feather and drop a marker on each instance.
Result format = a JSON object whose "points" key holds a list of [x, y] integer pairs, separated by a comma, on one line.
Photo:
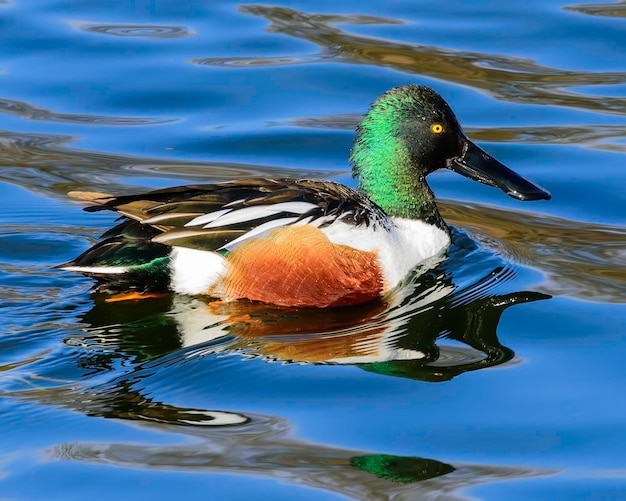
{"points": [[170, 209], [91, 196]]}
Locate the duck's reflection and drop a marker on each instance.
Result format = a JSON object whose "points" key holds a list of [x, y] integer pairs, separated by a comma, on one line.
{"points": [[253, 445], [263, 446], [396, 338]]}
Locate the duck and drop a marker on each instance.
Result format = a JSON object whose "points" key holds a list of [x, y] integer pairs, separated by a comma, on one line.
{"points": [[303, 243]]}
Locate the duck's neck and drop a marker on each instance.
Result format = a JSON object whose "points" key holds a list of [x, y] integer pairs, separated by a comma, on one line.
{"points": [[388, 177]]}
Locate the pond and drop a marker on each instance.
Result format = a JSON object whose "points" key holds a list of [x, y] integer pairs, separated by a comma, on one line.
{"points": [[496, 373]]}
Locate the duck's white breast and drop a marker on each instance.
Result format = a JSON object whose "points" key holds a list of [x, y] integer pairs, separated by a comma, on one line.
{"points": [[400, 248]]}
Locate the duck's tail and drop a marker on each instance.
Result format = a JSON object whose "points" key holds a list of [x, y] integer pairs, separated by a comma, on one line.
{"points": [[126, 258]]}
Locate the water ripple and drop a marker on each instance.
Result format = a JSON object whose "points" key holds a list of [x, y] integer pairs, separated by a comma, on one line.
{"points": [[43, 164], [134, 30], [505, 77], [582, 260], [265, 447], [601, 137], [256, 61], [33, 112], [608, 9]]}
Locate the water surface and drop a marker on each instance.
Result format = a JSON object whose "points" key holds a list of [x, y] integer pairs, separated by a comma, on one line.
{"points": [[497, 374]]}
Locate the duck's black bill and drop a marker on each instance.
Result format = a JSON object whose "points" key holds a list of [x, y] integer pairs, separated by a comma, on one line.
{"points": [[482, 167]]}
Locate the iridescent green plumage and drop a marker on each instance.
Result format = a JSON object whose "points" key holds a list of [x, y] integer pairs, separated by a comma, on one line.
{"points": [[395, 148]]}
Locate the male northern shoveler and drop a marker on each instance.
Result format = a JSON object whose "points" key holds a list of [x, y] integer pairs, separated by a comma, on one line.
{"points": [[302, 242]]}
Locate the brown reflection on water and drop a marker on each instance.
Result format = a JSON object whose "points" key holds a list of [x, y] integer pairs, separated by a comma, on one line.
{"points": [[265, 447], [608, 9], [252, 444], [355, 333], [601, 137], [582, 260], [43, 163], [504, 77], [29, 111], [245, 443]]}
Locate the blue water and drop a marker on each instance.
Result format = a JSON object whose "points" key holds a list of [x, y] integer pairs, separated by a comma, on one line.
{"points": [[498, 374]]}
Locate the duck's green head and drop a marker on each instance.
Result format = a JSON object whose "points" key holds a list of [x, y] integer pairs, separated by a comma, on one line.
{"points": [[410, 132]]}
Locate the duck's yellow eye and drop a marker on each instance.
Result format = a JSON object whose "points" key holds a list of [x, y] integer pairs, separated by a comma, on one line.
{"points": [[436, 128]]}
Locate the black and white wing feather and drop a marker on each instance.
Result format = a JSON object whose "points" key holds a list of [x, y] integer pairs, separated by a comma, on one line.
{"points": [[217, 217]]}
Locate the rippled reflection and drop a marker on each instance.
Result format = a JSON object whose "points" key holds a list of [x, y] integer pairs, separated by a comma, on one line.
{"points": [[582, 260], [32, 112], [43, 163], [247, 443], [396, 339], [608, 9], [504, 77], [265, 447], [252, 444], [133, 30], [601, 137]]}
